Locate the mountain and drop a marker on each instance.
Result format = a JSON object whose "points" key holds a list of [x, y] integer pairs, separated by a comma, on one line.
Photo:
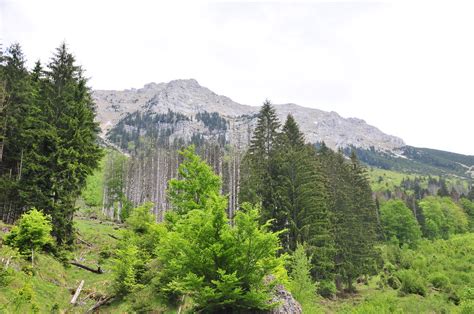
{"points": [[188, 98], [184, 111]]}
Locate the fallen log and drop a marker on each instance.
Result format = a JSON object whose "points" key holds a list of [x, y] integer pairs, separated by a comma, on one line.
{"points": [[97, 271], [78, 291], [100, 303], [85, 242], [113, 237]]}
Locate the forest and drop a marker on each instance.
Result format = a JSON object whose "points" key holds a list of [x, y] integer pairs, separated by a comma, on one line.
{"points": [[188, 226]]}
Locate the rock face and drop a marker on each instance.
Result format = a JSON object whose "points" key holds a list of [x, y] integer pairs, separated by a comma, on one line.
{"points": [[288, 304], [189, 98]]}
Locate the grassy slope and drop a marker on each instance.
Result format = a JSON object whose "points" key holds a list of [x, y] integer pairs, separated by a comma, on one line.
{"points": [[53, 283], [382, 180]]}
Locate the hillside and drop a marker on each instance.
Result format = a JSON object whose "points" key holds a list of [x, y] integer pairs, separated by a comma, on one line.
{"points": [[421, 161], [184, 111], [49, 287]]}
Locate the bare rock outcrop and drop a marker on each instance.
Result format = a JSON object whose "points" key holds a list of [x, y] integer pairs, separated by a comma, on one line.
{"points": [[189, 98], [288, 304]]}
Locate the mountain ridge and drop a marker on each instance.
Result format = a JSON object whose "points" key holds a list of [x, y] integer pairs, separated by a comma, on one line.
{"points": [[189, 97]]}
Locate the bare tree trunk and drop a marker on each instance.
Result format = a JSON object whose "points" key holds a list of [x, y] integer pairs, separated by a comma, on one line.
{"points": [[78, 292]]}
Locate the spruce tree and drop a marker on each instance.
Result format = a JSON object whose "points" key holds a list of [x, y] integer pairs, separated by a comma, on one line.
{"points": [[303, 198], [362, 223], [18, 126], [259, 166], [73, 153]]}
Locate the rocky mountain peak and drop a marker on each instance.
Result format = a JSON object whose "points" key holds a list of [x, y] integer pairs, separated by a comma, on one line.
{"points": [[188, 97]]}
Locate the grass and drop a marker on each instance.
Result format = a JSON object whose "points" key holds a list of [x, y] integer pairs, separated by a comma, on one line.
{"points": [[49, 286], [446, 266]]}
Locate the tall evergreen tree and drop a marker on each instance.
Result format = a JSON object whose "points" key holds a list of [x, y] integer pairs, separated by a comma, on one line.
{"points": [[18, 125], [259, 166], [303, 198], [75, 152]]}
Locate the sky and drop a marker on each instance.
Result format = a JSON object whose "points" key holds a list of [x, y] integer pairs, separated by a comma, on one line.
{"points": [[406, 67]]}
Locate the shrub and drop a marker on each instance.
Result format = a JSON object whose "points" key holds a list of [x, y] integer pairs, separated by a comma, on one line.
{"points": [[412, 283], [439, 280], [301, 285], [327, 289], [126, 268], [5, 276], [443, 217], [32, 232], [394, 282]]}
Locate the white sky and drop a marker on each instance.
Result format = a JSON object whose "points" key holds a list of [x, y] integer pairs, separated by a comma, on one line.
{"points": [[406, 67]]}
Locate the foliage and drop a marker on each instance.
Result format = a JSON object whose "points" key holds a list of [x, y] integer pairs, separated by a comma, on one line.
{"points": [[196, 183], [445, 264], [439, 280], [443, 217], [468, 206], [125, 270], [32, 232], [50, 138], [412, 282], [136, 249], [399, 222], [301, 284], [220, 266]]}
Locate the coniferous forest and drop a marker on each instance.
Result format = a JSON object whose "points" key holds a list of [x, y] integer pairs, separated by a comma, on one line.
{"points": [[160, 226]]}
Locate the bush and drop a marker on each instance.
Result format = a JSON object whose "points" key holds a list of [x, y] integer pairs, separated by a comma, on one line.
{"points": [[394, 282], [126, 268], [412, 283], [439, 280], [301, 285], [467, 307], [327, 289], [32, 232], [5, 276]]}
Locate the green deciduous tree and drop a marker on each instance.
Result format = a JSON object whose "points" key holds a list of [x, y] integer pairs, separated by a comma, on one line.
{"points": [[398, 222], [196, 183], [220, 266], [443, 217]]}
